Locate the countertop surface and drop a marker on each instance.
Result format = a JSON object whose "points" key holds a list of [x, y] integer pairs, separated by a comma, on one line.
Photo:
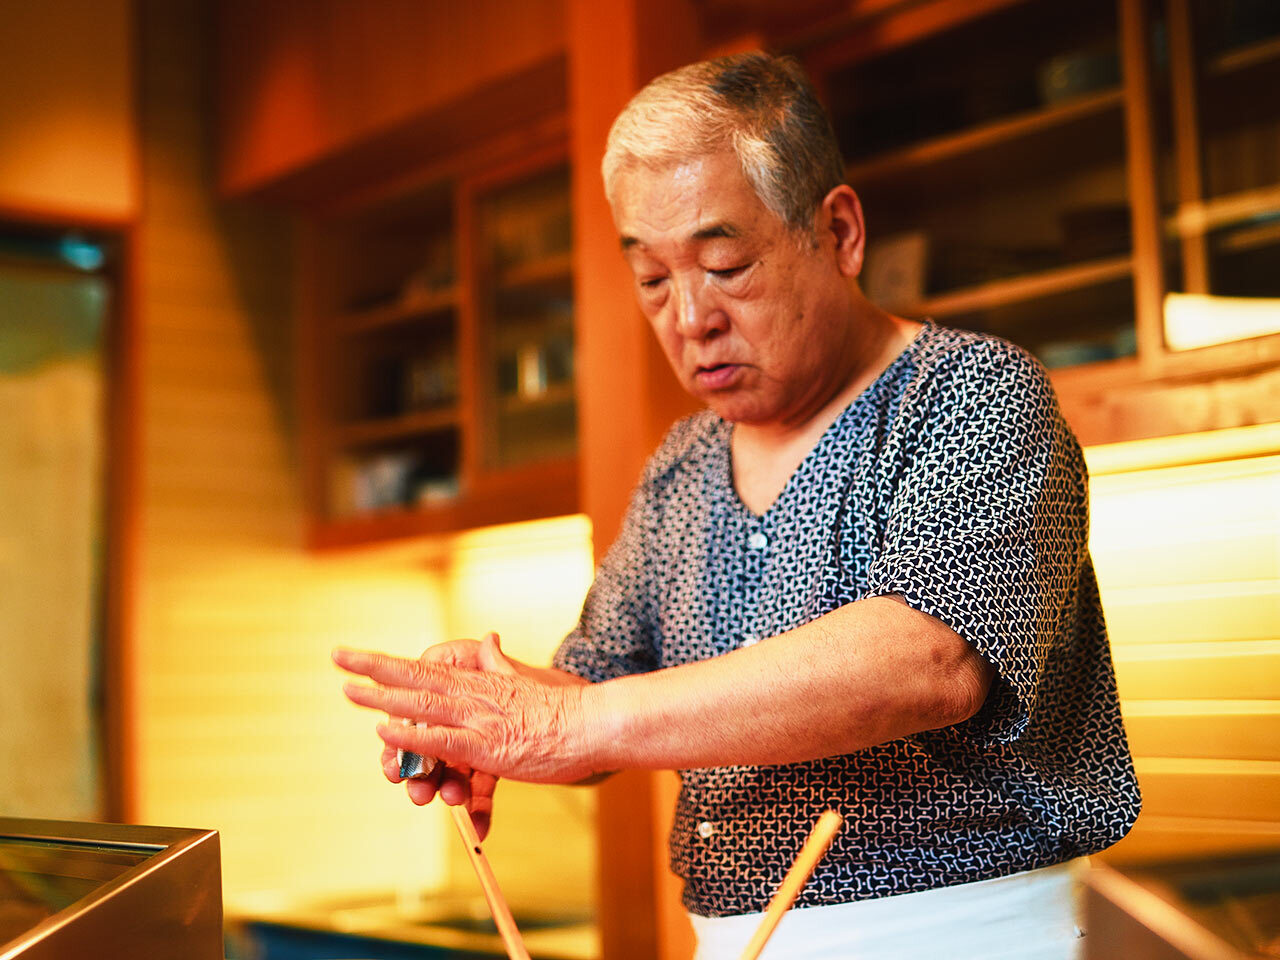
{"points": [[445, 921]]}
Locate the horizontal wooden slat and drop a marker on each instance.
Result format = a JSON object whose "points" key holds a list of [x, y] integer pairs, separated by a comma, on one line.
{"points": [[1220, 789], [1184, 613], [1231, 552], [1214, 729], [992, 135], [1157, 837], [999, 293], [1235, 444], [1219, 669]]}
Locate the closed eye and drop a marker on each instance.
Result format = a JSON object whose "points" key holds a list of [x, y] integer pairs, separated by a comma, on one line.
{"points": [[652, 282], [729, 272]]}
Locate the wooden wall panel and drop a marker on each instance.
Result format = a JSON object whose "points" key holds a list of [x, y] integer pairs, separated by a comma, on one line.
{"points": [[1188, 560], [1214, 669], [1211, 789], [238, 721], [67, 112], [299, 82], [1209, 729]]}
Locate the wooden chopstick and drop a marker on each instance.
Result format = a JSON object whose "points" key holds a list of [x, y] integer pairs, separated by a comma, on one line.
{"points": [[824, 831], [497, 903]]}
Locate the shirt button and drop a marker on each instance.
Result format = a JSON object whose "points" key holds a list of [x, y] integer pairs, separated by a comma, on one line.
{"points": [[705, 829], [749, 640], [757, 541]]}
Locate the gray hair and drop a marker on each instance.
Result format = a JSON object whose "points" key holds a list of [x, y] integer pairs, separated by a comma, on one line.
{"points": [[760, 106]]}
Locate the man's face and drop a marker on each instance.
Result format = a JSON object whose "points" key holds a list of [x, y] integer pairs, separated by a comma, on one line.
{"points": [[746, 310]]}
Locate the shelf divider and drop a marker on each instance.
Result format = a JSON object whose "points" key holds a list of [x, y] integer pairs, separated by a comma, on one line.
{"points": [[422, 304], [944, 148], [382, 429], [1000, 293], [1199, 217], [1242, 58], [534, 273]]}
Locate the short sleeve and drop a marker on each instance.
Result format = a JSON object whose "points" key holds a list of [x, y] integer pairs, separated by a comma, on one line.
{"points": [[614, 635], [988, 526]]}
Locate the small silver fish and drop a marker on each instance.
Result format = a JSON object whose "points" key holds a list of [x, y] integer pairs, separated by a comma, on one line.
{"points": [[414, 764]]}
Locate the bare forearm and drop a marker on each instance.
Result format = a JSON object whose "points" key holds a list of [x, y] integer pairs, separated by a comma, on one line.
{"points": [[867, 673]]}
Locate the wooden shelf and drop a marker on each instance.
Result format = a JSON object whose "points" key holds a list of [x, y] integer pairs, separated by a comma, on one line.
{"points": [[554, 396], [1246, 57], [542, 489], [1205, 215], [1000, 133], [412, 307], [368, 432], [1250, 238], [1000, 293], [557, 268]]}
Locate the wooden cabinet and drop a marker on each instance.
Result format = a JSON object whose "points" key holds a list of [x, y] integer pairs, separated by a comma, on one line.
{"points": [[1218, 141], [440, 351], [1061, 175], [990, 160]]}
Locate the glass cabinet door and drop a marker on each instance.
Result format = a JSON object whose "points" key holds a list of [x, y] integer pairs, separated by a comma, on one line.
{"points": [[994, 182], [525, 336], [1220, 178]]}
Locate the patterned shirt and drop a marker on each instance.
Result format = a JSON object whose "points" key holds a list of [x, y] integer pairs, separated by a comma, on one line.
{"points": [[954, 482]]}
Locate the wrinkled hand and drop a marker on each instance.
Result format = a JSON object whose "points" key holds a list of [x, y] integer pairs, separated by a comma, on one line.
{"points": [[492, 720], [456, 784]]}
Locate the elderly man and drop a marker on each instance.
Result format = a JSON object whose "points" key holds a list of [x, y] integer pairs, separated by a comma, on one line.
{"points": [[859, 579]]}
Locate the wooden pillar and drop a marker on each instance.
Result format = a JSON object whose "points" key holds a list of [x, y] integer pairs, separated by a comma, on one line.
{"points": [[1143, 178], [627, 396]]}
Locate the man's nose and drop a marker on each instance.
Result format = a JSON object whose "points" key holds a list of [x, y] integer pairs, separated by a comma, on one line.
{"points": [[699, 314]]}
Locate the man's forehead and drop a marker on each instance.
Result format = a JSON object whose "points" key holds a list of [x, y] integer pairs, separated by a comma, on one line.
{"points": [[721, 229], [691, 200]]}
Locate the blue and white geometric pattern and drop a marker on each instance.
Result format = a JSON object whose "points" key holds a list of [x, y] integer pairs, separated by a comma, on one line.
{"points": [[954, 482]]}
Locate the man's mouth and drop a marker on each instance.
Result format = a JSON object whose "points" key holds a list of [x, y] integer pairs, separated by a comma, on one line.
{"points": [[715, 376]]}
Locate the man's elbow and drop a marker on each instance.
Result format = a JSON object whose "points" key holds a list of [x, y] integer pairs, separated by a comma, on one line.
{"points": [[965, 687]]}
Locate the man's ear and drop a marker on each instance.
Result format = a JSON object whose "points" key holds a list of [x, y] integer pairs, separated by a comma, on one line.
{"points": [[841, 213]]}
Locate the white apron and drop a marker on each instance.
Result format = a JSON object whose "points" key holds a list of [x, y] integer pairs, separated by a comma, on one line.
{"points": [[1027, 916]]}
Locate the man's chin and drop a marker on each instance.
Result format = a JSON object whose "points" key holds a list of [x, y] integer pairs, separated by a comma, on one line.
{"points": [[736, 409]]}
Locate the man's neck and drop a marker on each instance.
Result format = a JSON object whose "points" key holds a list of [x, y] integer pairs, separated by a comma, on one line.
{"points": [[766, 455], [875, 340]]}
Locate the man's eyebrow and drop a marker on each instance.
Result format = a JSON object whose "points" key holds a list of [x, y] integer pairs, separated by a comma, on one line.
{"points": [[717, 230]]}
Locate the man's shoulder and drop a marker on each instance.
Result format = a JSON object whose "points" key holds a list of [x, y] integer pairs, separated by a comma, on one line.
{"points": [[963, 366], [950, 350]]}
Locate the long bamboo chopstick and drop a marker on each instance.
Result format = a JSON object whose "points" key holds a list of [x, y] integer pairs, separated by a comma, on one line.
{"points": [[497, 903], [820, 837]]}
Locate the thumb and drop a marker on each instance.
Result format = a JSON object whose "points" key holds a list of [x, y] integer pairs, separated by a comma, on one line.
{"points": [[491, 657]]}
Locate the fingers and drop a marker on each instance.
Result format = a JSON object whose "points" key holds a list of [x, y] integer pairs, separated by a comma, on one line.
{"points": [[481, 806], [419, 705], [455, 787], [422, 790], [395, 671], [453, 745], [390, 764], [491, 657], [455, 653]]}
